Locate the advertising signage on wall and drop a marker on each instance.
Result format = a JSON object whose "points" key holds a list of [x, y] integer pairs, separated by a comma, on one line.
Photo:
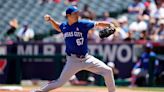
{"points": [[111, 52]]}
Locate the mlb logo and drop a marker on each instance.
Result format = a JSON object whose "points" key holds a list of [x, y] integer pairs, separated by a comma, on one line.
{"points": [[77, 29], [3, 64]]}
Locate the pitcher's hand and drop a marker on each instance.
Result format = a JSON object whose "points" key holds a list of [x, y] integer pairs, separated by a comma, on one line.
{"points": [[47, 17]]}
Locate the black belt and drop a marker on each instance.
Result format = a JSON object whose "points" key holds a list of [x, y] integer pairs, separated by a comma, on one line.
{"points": [[78, 56]]}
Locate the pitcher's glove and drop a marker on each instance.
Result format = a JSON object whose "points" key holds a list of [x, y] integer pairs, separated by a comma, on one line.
{"points": [[106, 32]]}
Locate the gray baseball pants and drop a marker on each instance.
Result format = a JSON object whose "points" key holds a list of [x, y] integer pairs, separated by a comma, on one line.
{"points": [[74, 65]]}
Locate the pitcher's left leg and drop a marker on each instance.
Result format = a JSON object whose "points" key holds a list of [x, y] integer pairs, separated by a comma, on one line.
{"points": [[99, 67]]}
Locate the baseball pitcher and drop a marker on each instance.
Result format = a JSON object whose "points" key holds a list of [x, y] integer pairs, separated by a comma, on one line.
{"points": [[75, 34]]}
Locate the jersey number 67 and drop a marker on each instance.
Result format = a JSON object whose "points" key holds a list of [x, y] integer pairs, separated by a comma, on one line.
{"points": [[80, 41]]}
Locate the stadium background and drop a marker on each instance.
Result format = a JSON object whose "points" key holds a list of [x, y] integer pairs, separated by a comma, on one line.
{"points": [[25, 59]]}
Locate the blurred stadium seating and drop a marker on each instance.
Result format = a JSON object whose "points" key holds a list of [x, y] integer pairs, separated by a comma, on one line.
{"points": [[32, 12]]}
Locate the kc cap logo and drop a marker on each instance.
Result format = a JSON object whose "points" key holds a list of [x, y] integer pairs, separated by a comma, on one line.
{"points": [[3, 64]]}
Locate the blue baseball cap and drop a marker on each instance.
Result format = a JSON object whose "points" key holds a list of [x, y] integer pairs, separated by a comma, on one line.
{"points": [[71, 9]]}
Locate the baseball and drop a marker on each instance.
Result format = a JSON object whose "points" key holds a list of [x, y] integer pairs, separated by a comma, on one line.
{"points": [[47, 17]]}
